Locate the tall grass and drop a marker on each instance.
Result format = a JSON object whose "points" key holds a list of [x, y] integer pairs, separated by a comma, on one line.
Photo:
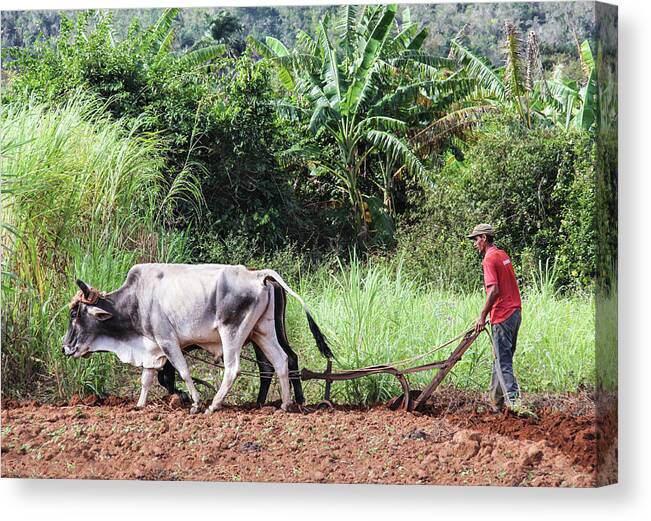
{"points": [[372, 314], [82, 196]]}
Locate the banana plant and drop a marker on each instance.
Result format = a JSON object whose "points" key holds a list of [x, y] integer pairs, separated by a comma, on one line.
{"points": [[363, 83], [520, 86], [572, 104], [587, 115], [160, 38]]}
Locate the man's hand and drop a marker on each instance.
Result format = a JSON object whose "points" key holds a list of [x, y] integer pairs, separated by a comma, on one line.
{"points": [[493, 292], [480, 324]]}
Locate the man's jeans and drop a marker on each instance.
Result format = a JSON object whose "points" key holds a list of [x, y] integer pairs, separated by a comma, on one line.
{"points": [[505, 337]]}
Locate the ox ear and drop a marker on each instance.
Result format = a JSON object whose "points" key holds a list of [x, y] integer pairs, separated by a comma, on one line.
{"points": [[83, 287], [98, 313]]}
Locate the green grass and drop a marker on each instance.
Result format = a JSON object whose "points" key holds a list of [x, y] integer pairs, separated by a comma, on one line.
{"points": [[606, 337], [373, 314], [82, 197]]}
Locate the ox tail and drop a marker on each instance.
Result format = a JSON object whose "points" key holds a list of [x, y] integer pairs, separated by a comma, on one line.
{"points": [[319, 337]]}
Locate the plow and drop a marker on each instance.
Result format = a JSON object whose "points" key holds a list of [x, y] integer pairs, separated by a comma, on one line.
{"points": [[410, 399]]}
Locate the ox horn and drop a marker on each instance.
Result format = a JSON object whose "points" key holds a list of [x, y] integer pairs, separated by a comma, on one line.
{"points": [[83, 287]]}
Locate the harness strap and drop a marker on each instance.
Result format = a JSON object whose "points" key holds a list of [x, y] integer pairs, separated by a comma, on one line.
{"points": [[93, 296]]}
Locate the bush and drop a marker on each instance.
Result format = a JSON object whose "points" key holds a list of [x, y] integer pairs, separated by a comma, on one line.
{"points": [[217, 119], [536, 187], [247, 192]]}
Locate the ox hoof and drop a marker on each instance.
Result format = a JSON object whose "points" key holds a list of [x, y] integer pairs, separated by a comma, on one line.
{"points": [[288, 407], [195, 409], [213, 408]]}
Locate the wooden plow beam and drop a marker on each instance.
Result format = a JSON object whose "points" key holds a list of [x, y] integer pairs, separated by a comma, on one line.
{"points": [[410, 400]]}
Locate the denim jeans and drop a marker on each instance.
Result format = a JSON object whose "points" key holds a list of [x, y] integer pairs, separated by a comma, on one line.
{"points": [[505, 337]]}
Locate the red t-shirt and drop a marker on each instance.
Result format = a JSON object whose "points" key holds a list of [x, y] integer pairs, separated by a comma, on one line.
{"points": [[499, 270]]}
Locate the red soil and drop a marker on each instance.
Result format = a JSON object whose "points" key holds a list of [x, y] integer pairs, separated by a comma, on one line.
{"points": [[456, 440]]}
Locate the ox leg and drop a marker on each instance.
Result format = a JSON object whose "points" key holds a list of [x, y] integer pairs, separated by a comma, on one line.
{"points": [[295, 379], [266, 373], [175, 356], [275, 354], [146, 380], [167, 376], [231, 370]]}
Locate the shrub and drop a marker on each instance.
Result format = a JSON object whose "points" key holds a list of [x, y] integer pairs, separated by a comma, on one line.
{"points": [[536, 187]]}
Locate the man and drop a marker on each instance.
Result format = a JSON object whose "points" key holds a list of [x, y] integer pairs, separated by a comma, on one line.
{"points": [[505, 308]]}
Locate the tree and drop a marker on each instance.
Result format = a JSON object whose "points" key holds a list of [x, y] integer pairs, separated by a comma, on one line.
{"points": [[520, 86], [225, 29], [363, 83]]}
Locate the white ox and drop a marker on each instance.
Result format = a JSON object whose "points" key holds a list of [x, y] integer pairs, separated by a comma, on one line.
{"points": [[163, 308]]}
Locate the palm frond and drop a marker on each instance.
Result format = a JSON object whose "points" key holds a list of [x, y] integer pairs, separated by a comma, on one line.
{"points": [[162, 27], [363, 73], [586, 117], [276, 46], [203, 55], [454, 122], [396, 101], [585, 56], [587, 60], [385, 123], [405, 33], [418, 40], [303, 153], [479, 69], [166, 45], [397, 149], [422, 58], [274, 51], [458, 38], [332, 87], [406, 16], [345, 28], [305, 43], [290, 111], [369, 19], [560, 93], [320, 115]]}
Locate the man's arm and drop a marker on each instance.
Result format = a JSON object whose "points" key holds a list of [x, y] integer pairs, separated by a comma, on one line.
{"points": [[491, 297]]}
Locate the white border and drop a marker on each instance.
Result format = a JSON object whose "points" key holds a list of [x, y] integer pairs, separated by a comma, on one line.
{"points": [[631, 499]]}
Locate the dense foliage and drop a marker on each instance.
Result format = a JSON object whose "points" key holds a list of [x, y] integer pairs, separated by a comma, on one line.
{"points": [[215, 113], [244, 136], [537, 189]]}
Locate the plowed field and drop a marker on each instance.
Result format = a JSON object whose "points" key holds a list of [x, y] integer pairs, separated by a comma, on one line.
{"points": [[456, 440]]}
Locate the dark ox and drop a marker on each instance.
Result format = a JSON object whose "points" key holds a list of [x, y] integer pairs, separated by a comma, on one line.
{"points": [[167, 375], [162, 309]]}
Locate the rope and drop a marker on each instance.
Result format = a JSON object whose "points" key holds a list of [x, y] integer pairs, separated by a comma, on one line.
{"points": [[434, 350], [242, 373], [418, 357], [93, 296], [368, 368]]}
